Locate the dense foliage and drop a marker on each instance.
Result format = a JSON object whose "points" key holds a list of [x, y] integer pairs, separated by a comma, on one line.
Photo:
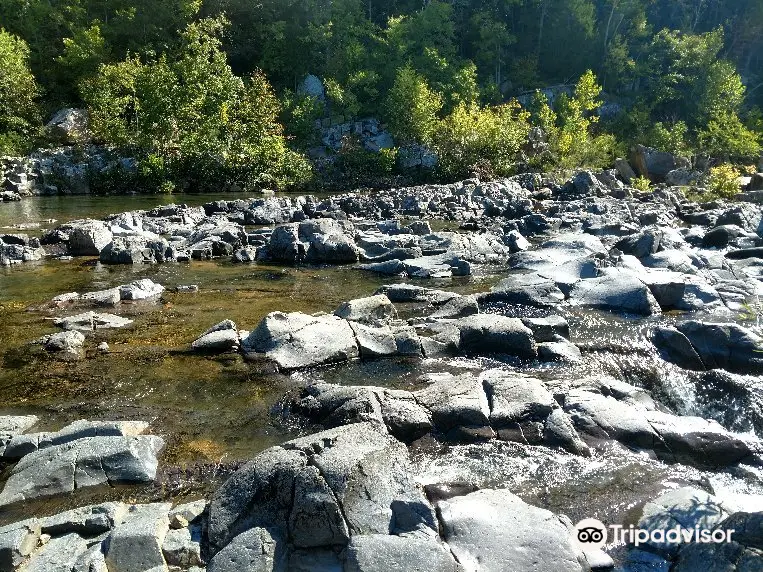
{"points": [[18, 110], [187, 83]]}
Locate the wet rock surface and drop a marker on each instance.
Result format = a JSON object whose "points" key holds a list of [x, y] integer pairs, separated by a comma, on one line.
{"points": [[524, 351]]}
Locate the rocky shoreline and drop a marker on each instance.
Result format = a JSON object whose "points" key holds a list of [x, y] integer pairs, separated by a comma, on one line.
{"points": [[367, 487]]}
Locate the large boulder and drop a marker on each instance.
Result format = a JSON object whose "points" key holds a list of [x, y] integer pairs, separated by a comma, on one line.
{"points": [[336, 405], [459, 406], [371, 310], [743, 552], [319, 491], [654, 164], [70, 126], [297, 340], [83, 463], [320, 240], [221, 337], [383, 552], [618, 411], [686, 507], [677, 348], [725, 345], [526, 290], [495, 531], [135, 545], [487, 334], [88, 237], [615, 289], [68, 343], [136, 249], [312, 86]]}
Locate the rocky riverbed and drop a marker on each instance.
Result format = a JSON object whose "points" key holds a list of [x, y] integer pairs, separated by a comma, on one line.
{"points": [[430, 378]]}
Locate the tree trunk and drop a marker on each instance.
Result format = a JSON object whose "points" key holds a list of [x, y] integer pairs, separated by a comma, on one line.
{"points": [[543, 8]]}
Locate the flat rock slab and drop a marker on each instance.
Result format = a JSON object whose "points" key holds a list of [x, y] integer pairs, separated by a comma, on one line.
{"points": [[86, 521], [24, 444], [406, 293], [495, 531], [674, 438], [145, 289], [371, 310], [382, 553], [456, 401], [61, 554], [91, 321], [515, 398], [87, 462], [686, 507], [17, 542], [11, 425]]}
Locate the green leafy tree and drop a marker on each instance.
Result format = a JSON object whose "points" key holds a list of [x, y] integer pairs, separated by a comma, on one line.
{"points": [[486, 139], [19, 114], [83, 53], [412, 108], [196, 118], [726, 137], [672, 138], [569, 129]]}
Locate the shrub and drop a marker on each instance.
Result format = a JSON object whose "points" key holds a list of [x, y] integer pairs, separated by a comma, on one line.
{"points": [[411, 108], [19, 114], [488, 138], [723, 181], [642, 184], [210, 128]]}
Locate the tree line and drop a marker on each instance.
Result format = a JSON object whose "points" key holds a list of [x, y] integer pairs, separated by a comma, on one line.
{"points": [[208, 89]]}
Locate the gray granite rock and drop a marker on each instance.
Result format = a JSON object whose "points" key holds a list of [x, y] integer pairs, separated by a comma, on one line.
{"points": [[495, 531]]}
